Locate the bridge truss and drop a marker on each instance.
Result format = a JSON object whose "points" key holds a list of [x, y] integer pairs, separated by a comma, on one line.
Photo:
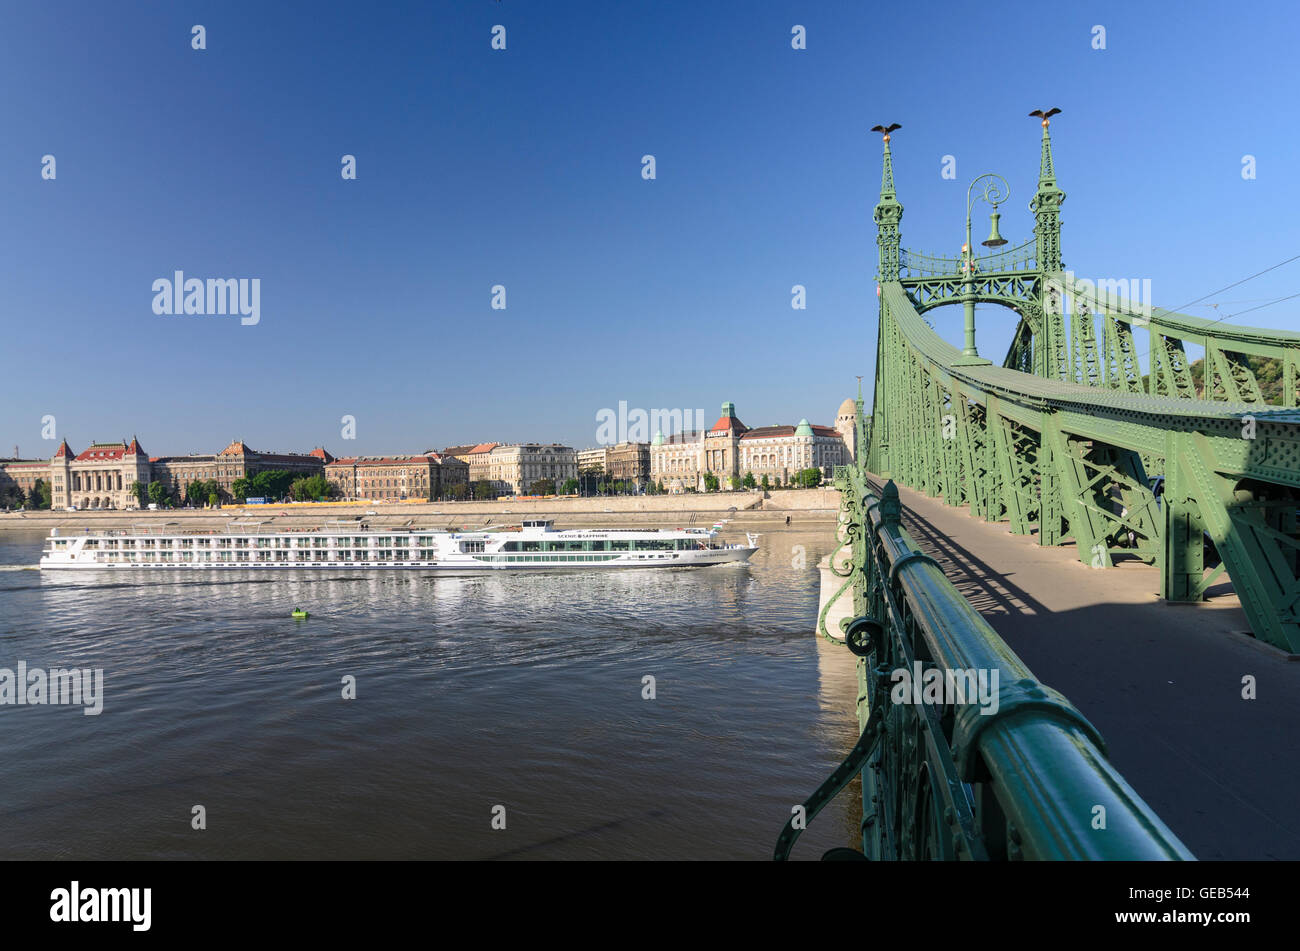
{"points": [[1070, 441]]}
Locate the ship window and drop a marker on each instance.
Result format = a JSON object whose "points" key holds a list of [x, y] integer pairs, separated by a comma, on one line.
{"points": [[532, 546], [618, 546]]}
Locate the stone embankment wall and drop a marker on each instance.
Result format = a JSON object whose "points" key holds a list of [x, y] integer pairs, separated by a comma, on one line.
{"points": [[805, 500], [696, 510]]}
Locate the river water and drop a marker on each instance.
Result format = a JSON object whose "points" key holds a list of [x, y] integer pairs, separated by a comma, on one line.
{"points": [[509, 695]]}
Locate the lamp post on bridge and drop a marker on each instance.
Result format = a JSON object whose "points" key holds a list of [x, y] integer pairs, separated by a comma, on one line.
{"points": [[994, 191]]}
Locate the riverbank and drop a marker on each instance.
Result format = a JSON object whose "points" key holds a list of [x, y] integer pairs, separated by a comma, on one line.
{"points": [[777, 507]]}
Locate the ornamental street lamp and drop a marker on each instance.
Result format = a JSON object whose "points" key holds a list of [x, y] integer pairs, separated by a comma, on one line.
{"points": [[994, 190]]}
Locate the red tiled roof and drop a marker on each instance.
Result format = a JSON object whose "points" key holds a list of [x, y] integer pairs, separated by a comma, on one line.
{"points": [[726, 423], [236, 448], [825, 431], [134, 448], [485, 447], [102, 452], [320, 453], [64, 450]]}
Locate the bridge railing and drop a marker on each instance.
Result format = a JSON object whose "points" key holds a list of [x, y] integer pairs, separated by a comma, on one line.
{"points": [[963, 754], [917, 264]]}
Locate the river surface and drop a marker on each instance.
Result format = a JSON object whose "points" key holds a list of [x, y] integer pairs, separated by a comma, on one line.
{"points": [[508, 695]]}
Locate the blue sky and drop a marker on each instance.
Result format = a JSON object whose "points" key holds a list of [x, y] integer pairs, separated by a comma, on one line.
{"points": [[522, 168]]}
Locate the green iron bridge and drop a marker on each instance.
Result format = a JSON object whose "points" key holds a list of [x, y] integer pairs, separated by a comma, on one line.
{"points": [[1067, 440]]}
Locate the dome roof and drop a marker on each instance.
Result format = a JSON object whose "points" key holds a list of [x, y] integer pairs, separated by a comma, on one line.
{"points": [[847, 408], [803, 429], [659, 438]]}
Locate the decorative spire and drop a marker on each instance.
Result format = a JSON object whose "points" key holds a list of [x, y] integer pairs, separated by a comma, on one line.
{"points": [[887, 174], [1046, 173], [889, 212], [1046, 203]]}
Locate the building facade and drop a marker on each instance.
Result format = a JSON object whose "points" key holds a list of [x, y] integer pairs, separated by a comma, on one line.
{"points": [[479, 460], [103, 476], [236, 461], [624, 462], [730, 450], [676, 460], [629, 462], [779, 452], [514, 469], [593, 460], [21, 476], [395, 478]]}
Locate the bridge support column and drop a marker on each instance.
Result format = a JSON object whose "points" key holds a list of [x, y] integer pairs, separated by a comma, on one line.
{"points": [[1052, 525], [1079, 502], [1254, 530], [1182, 564]]}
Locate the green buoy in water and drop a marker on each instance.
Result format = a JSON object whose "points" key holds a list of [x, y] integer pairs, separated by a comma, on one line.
{"points": [[300, 614]]}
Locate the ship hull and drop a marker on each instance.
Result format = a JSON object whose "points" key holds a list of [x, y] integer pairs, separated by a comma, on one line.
{"points": [[466, 566], [536, 546]]}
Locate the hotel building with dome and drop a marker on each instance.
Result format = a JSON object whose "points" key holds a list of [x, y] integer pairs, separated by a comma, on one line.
{"points": [[729, 450]]}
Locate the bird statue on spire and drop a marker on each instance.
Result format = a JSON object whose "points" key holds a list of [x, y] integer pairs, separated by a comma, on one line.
{"points": [[1045, 116], [885, 130]]}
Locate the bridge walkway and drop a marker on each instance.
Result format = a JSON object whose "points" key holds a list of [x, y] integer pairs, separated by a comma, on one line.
{"points": [[1161, 681]]}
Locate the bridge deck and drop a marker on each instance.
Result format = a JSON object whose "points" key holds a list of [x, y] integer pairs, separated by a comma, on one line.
{"points": [[1163, 682]]}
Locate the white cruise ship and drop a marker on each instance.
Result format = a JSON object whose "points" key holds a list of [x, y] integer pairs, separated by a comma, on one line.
{"points": [[248, 545]]}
